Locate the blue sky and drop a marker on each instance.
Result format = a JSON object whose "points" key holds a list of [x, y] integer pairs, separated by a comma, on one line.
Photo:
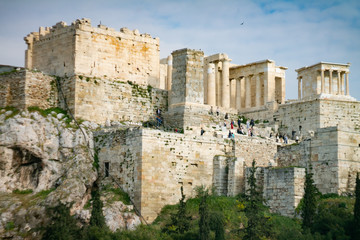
{"points": [[292, 33]]}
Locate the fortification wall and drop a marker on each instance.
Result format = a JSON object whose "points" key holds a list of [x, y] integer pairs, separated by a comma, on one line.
{"points": [[163, 161], [349, 159], [126, 55], [12, 89], [23, 88], [282, 188], [52, 50], [344, 114], [301, 116], [80, 49], [121, 149], [334, 156], [101, 99]]}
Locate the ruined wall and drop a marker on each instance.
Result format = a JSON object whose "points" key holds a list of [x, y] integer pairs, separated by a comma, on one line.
{"points": [[100, 99], [23, 88], [12, 89]]}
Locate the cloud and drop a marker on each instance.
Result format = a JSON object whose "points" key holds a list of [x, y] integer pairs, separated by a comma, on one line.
{"points": [[293, 33]]}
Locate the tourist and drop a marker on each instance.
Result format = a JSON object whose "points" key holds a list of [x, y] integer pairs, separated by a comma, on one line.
{"points": [[297, 139], [226, 116], [202, 131], [252, 123], [217, 111], [285, 139], [211, 110], [239, 122], [248, 124], [232, 124], [230, 134]]}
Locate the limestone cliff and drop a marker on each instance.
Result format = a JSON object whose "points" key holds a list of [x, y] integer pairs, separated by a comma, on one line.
{"points": [[45, 159]]}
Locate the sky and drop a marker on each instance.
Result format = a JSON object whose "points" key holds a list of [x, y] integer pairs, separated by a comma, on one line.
{"points": [[292, 33]]}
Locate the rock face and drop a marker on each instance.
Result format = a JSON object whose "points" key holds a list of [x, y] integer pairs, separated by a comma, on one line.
{"points": [[50, 156]]}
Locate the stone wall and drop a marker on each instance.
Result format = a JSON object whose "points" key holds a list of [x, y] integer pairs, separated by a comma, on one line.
{"points": [[100, 99], [164, 161], [24, 88], [300, 116], [344, 114], [121, 149], [334, 156], [94, 51], [304, 116]]}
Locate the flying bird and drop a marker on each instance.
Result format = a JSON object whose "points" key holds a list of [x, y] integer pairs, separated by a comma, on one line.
{"points": [[242, 23]]}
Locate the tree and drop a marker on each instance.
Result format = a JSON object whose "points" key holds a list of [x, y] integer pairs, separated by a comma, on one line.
{"points": [[97, 216], [308, 210], [357, 208], [258, 225], [204, 224], [180, 222], [63, 225], [217, 222]]}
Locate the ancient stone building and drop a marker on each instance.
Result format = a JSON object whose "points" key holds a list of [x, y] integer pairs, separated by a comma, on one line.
{"points": [[117, 78]]}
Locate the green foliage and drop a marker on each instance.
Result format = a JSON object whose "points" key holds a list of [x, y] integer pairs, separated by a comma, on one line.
{"points": [[44, 193], [258, 225], [14, 111], [332, 219], [62, 226], [204, 224], [356, 223], [97, 218], [9, 72], [96, 159], [217, 222], [9, 226], [120, 195], [180, 222], [309, 201], [26, 191], [143, 232]]}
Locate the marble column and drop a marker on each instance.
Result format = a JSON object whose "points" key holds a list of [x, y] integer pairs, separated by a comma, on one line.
{"points": [[247, 92], [338, 83], [169, 72], [225, 95], [330, 81], [299, 88], [211, 88], [342, 83], [322, 81], [347, 84], [217, 84], [238, 93], [258, 91]]}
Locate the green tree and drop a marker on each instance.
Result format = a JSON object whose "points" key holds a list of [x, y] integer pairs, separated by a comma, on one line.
{"points": [[308, 210], [217, 222], [97, 216], [258, 225], [63, 225], [204, 223], [180, 222], [357, 209]]}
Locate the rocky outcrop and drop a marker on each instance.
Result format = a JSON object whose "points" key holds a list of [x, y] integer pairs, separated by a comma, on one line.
{"points": [[51, 159]]}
